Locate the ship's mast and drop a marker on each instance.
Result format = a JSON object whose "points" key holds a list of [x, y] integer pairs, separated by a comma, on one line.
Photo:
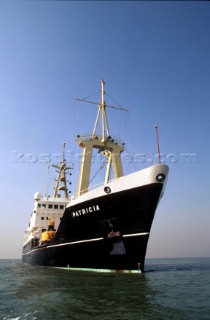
{"points": [[108, 146], [61, 181], [102, 113]]}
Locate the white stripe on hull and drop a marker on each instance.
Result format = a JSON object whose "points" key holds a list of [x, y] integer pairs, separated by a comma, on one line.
{"points": [[84, 241], [135, 234], [99, 270]]}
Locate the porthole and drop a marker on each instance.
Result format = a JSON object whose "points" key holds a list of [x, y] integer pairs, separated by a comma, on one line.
{"points": [[107, 190]]}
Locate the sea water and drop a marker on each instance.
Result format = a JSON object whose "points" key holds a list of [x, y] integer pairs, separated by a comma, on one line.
{"points": [[177, 289]]}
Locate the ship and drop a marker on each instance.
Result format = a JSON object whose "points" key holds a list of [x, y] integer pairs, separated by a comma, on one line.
{"points": [[105, 227]]}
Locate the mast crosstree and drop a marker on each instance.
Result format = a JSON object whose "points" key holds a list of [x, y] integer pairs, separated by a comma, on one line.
{"points": [[108, 146]]}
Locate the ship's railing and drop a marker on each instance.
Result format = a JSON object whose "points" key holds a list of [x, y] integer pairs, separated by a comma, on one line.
{"points": [[91, 136], [77, 195]]}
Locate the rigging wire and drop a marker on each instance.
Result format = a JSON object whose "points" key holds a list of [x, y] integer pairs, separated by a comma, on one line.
{"points": [[98, 171], [91, 95], [115, 101]]}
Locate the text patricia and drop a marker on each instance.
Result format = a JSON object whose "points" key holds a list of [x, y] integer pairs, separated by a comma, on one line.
{"points": [[83, 211]]}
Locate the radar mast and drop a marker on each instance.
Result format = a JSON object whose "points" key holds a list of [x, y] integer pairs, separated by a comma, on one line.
{"points": [[108, 146]]}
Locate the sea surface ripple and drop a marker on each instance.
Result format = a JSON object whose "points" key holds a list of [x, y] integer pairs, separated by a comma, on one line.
{"points": [[176, 289]]}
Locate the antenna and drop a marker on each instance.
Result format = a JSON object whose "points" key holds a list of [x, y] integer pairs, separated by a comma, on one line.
{"points": [[63, 152], [46, 186], [102, 113], [158, 146]]}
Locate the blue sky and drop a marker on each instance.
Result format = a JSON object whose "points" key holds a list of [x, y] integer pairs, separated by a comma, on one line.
{"points": [[155, 59]]}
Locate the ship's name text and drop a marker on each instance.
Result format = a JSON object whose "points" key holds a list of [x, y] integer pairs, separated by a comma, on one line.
{"points": [[85, 211]]}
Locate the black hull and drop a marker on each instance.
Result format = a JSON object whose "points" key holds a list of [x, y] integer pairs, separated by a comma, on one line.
{"points": [[109, 232]]}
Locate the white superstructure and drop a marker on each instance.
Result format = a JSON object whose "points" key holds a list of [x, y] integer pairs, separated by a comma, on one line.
{"points": [[48, 211], [45, 209]]}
